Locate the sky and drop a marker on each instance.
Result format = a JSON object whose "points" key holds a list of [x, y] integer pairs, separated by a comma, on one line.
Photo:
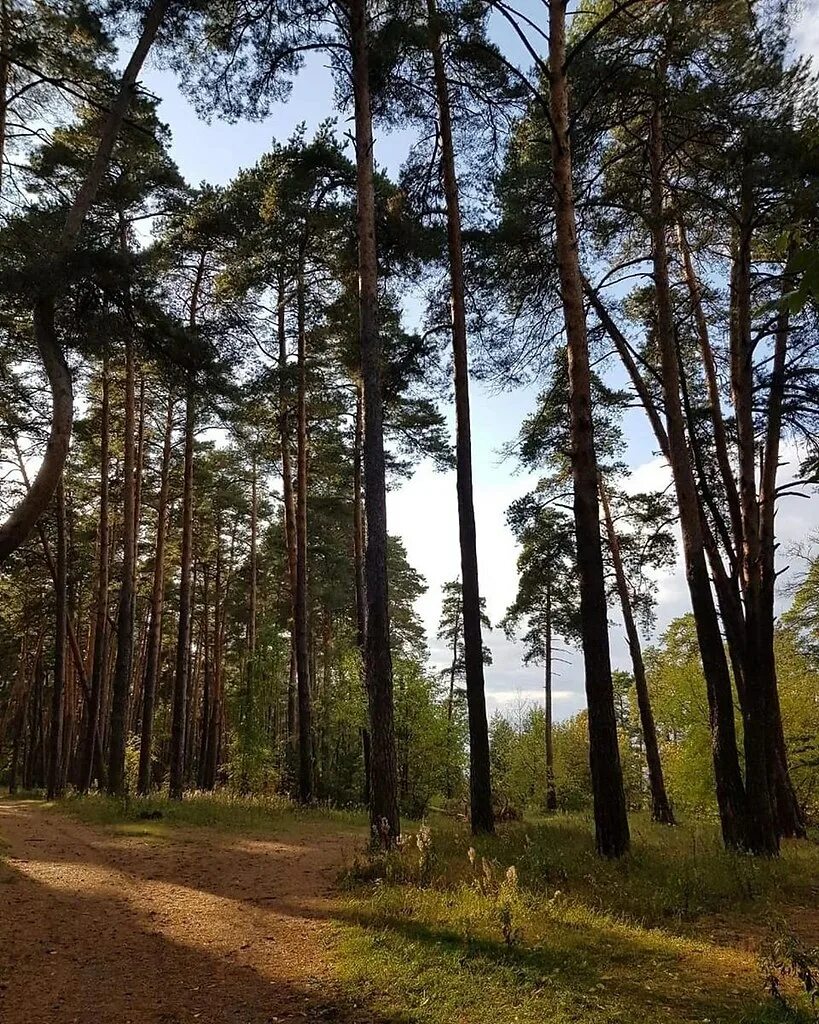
{"points": [[423, 510]]}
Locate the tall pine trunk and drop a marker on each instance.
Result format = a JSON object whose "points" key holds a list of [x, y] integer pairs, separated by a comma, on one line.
{"points": [[729, 786], [101, 610], [551, 789], [611, 822], [121, 685], [479, 778], [182, 667], [301, 600], [60, 631], [384, 816], [288, 493], [790, 820], [154, 643], [660, 806], [358, 570], [761, 834]]}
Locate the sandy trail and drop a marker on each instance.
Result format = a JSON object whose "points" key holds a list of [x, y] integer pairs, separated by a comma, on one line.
{"points": [[98, 928]]}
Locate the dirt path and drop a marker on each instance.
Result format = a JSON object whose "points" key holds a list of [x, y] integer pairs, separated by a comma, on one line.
{"points": [[202, 926]]}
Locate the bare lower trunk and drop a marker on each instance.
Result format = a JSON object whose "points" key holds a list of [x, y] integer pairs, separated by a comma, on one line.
{"points": [[60, 629], [759, 658], [211, 758], [611, 822], [359, 543], [288, 492], [180, 686], [253, 595], [660, 806], [479, 779], [301, 615], [551, 789], [384, 816], [101, 610], [790, 820], [154, 644], [121, 685]]}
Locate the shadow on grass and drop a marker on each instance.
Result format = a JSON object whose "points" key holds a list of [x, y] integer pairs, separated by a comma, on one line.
{"points": [[598, 978]]}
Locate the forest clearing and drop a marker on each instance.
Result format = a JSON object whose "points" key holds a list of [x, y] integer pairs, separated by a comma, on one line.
{"points": [[409, 511], [222, 912]]}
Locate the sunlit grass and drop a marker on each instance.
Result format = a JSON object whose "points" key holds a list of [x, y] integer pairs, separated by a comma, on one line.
{"points": [[445, 936], [221, 810]]}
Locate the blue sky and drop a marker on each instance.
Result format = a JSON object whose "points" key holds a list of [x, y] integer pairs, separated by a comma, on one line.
{"points": [[423, 511]]}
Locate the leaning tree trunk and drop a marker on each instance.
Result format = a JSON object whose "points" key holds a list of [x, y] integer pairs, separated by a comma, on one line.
{"points": [[154, 644], [384, 816], [60, 630], [730, 790], [611, 822], [125, 617], [301, 616], [479, 778], [709, 365], [660, 806], [23, 518]]}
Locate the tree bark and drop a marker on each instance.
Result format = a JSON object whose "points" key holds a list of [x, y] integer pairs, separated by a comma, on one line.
{"points": [[384, 816], [101, 611], [301, 597], [359, 543], [759, 658], [611, 822], [180, 687], [790, 819], [60, 629], [729, 787], [480, 788], [288, 493], [660, 807], [125, 617], [215, 711], [551, 789], [154, 644]]}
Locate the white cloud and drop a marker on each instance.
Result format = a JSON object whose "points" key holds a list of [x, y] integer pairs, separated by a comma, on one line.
{"points": [[806, 30]]}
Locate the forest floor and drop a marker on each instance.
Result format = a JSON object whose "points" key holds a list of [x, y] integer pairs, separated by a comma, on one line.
{"points": [[144, 923], [243, 912]]}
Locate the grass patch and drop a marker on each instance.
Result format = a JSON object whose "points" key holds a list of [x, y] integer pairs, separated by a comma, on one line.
{"points": [[533, 927], [223, 811]]}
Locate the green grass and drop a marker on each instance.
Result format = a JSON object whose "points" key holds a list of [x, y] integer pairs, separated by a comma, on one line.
{"points": [[223, 811], [667, 934]]}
